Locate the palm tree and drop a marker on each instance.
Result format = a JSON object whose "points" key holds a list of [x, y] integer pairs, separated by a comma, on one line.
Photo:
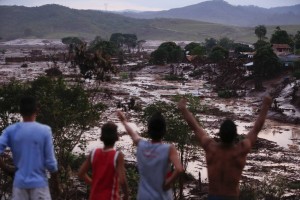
{"points": [[260, 32]]}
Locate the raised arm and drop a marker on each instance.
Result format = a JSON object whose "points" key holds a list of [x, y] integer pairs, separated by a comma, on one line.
{"points": [[122, 175], [194, 125], [252, 135], [133, 134], [174, 159]]}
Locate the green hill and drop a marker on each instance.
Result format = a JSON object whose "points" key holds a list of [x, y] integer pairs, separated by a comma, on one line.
{"points": [[54, 21]]}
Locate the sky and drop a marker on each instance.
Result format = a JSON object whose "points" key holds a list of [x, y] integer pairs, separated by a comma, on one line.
{"points": [[142, 5]]}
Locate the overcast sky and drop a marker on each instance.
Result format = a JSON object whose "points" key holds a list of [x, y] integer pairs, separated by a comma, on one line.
{"points": [[141, 4]]}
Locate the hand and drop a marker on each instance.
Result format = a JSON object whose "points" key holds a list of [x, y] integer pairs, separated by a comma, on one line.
{"points": [[182, 104], [267, 100], [121, 116]]}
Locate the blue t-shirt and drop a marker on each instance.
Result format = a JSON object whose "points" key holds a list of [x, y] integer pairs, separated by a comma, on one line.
{"points": [[153, 165], [32, 148]]}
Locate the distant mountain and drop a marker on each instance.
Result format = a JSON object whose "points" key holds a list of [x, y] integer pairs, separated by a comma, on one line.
{"points": [[219, 11], [54, 21]]}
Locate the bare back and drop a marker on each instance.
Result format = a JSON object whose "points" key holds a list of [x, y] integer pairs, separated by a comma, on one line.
{"points": [[225, 165]]}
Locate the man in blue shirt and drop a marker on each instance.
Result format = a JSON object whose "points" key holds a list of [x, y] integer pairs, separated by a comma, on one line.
{"points": [[32, 148]]}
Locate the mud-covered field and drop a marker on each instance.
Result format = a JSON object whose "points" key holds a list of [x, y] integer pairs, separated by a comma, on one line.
{"points": [[276, 154]]}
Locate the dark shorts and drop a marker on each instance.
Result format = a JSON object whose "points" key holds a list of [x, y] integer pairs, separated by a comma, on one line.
{"points": [[218, 197]]}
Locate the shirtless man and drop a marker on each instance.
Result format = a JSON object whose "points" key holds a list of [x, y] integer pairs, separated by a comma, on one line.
{"points": [[225, 159]]}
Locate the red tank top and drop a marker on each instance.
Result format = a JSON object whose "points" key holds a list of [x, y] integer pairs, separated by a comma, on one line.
{"points": [[105, 182]]}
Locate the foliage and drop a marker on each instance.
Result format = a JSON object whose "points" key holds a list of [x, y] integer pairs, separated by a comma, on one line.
{"points": [[189, 47], [167, 52], [173, 77], [117, 39], [227, 93], [218, 54], [159, 57], [210, 43], [71, 40], [260, 32], [260, 44], [297, 74], [238, 47], [10, 94], [266, 63], [226, 43], [124, 75], [281, 37], [95, 63], [297, 40], [195, 49], [132, 176], [66, 109], [199, 51], [106, 48], [178, 131]]}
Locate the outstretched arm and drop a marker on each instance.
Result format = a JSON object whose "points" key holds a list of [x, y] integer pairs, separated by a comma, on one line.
{"points": [[252, 135], [133, 134], [194, 125], [84, 169], [174, 159]]}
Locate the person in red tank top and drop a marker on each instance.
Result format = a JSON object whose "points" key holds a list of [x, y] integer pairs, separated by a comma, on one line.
{"points": [[108, 171]]}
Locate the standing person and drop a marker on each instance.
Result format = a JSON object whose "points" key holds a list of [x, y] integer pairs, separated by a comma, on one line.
{"points": [[226, 159], [108, 169], [33, 153], [154, 159]]}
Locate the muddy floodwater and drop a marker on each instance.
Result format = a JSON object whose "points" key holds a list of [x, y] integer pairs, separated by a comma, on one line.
{"points": [[276, 152]]}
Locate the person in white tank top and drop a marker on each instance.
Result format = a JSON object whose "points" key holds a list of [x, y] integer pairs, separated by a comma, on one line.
{"points": [[154, 159]]}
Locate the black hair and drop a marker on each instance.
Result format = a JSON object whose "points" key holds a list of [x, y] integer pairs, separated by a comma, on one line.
{"points": [[157, 126], [109, 133], [28, 106], [228, 131]]}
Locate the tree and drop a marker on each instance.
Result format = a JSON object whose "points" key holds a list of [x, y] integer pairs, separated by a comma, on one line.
{"points": [[260, 44], [238, 47], [297, 40], [130, 40], [95, 61], [140, 44], [118, 39], [178, 131], [218, 54], [189, 47], [71, 40], [195, 49], [281, 37], [68, 110], [210, 43], [266, 64], [159, 57], [260, 32], [226, 43], [167, 52]]}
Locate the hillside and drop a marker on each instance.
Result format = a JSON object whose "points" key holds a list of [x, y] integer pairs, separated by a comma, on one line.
{"points": [[219, 11], [54, 21]]}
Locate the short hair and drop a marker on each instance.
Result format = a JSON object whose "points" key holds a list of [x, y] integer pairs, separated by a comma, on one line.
{"points": [[28, 106], [157, 126], [109, 134], [228, 131]]}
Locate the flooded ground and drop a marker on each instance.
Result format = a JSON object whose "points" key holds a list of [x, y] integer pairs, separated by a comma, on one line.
{"points": [[276, 152]]}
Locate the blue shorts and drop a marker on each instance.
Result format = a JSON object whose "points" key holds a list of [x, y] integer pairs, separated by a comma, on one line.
{"points": [[31, 194]]}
